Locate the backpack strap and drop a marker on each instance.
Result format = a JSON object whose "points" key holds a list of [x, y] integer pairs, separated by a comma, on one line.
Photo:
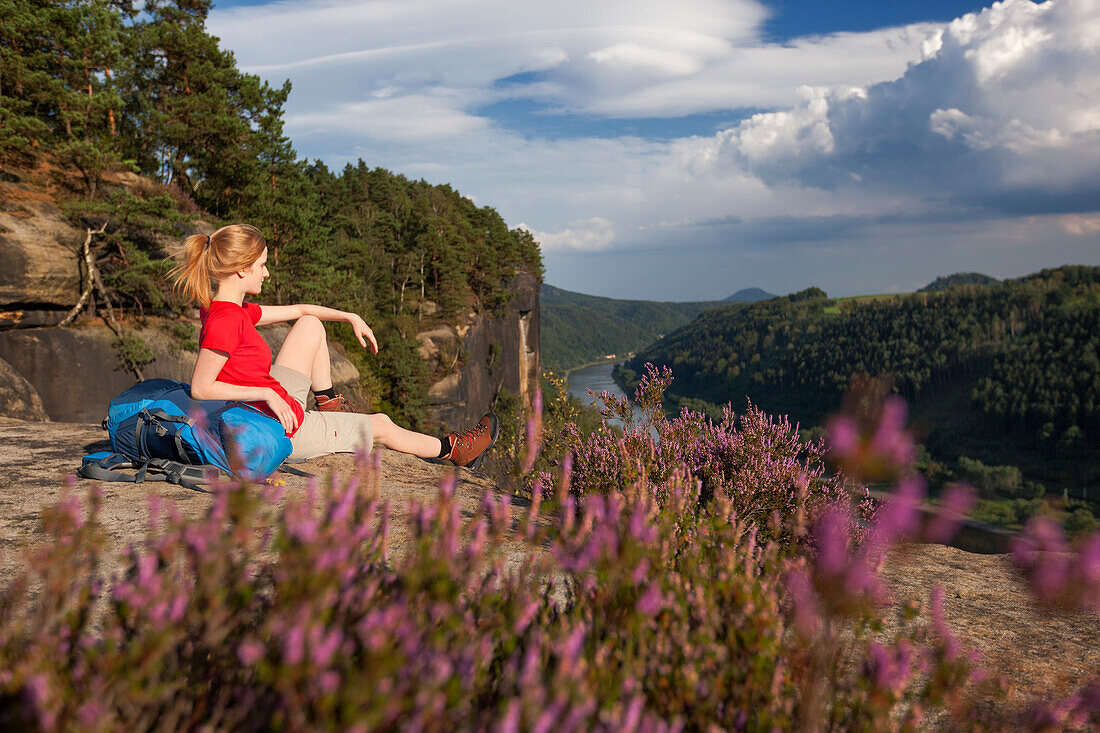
{"points": [[189, 477], [287, 468], [100, 467], [156, 418]]}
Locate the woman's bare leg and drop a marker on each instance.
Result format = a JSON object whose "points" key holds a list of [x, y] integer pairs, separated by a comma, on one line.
{"points": [[395, 437], [305, 350]]}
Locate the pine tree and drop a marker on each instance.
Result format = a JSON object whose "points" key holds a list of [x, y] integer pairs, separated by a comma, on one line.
{"points": [[197, 121], [28, 86], [88, 38], [57, 83]]}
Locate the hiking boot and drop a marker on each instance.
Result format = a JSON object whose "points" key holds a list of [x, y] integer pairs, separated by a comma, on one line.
{"points": [[469, 448], [339, 403]]}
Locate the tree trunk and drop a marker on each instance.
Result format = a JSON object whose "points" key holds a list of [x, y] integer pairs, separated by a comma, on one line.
{"points": [[111, 128]]}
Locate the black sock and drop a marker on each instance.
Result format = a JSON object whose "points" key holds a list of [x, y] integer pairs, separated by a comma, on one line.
{"points": [[445, 446], [330, 393]]}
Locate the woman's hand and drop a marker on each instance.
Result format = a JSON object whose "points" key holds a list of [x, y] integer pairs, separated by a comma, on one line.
{"points": [[362, 332], [282, 411]]}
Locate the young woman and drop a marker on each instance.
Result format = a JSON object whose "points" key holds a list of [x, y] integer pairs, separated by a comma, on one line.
{"points": [[234, 362]]}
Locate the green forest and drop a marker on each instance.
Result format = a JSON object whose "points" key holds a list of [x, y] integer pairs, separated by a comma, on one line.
{"points": [[1007, 373], [578, 329], [90, 89]]}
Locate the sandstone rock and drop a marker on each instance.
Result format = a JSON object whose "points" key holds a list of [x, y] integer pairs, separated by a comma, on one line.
{"points": [[37, 457], [447, 391], [76, 371], [434, 342], [500, 353], [31, 317], [39, 250], [18, 398]]}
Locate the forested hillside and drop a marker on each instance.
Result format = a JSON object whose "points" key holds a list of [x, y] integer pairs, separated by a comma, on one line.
{"points": [[92, 88], [959, 278], [1008, 373], [578, 329]]}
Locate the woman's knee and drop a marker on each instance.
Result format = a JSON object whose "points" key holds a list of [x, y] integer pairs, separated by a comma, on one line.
{"points": [[382, 426], [309, 323], [308, 327]]}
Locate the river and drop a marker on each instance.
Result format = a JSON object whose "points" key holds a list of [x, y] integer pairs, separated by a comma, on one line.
{"points": [[597, 377]]}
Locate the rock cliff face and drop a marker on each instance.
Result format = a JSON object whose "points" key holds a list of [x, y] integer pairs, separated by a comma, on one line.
{"points": [[491, 354], [39, 256], [76, 371], [18, 398]]}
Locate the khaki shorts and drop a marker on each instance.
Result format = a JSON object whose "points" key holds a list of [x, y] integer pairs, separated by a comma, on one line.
{"points": [[322, 433]]}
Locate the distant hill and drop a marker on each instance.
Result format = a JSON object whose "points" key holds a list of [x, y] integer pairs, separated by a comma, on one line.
{"points": [[1005, 375], [944, 282], [578, 328], [749, 295]]}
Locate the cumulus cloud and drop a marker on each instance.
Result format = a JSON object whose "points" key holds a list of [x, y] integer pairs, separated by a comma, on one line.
{"points": [[1002, 114]]}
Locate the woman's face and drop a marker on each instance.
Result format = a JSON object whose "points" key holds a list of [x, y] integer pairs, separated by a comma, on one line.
{"points": [[254, 276]]}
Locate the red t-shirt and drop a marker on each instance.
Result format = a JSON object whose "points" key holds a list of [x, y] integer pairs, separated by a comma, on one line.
{"points": [[231, 328]]}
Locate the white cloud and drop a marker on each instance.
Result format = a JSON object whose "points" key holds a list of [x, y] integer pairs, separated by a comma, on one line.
{"points": [[985, 133], [1080, 225], [987, 120], [616, 57], [594, 235], [413, 118], [633, 56]]}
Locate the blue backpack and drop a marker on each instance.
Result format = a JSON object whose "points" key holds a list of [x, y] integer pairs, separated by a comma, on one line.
{"points": [[158, 429]]}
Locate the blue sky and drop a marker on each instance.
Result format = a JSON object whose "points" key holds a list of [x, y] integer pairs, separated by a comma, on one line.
{"points": [[684, 151]]}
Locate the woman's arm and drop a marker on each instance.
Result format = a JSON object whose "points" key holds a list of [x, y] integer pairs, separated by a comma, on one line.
{"points": [[204, 386], [280, 313]]}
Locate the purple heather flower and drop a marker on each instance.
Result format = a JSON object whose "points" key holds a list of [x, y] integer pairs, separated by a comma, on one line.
{"points": [[37, 692], [447, 484], [294, 644], [526, 617], [890, 668], [843, 436], [900, 516], [90, 714], [807, 609], [831, 539], [651, 601], [633, 714], [250, 651], [891, 441], [1042, 550], [566, 474], [957, 501], [511, 720], [322, 653]]}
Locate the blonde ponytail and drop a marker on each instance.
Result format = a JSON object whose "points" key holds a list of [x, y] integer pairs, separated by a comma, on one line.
{"points": [[204, 261]]}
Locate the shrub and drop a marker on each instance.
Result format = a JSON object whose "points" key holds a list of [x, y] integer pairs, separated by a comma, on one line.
{"points": [[756, 462]]}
